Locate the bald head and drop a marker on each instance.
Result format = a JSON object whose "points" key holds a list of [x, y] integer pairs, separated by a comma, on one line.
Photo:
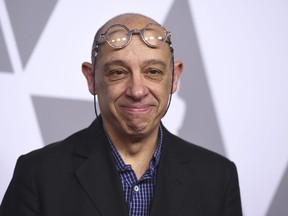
{"points": [[131, 20]]}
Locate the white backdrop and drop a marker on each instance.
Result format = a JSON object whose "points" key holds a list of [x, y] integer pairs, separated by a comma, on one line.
{"points": [[242, 48]]}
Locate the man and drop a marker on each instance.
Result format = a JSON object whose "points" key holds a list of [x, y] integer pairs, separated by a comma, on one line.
{"points": [[126, 162]]}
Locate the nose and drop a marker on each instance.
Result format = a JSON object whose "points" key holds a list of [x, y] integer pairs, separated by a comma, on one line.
{"points": [[136, 88]]}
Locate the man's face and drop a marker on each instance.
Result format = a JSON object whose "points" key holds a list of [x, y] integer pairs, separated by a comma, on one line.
{"points": [[133, 86]]}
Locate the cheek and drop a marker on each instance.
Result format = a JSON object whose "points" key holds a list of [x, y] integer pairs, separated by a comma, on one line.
{"points": [[108, 94], [166, 90], [167, 84], [161, 91]]}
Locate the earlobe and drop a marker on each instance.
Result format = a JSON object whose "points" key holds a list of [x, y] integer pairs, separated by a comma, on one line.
{"points": [[178, 68], [87, 70]]}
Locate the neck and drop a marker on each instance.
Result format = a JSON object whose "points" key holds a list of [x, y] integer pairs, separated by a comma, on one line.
{"points": [[136, 152]]}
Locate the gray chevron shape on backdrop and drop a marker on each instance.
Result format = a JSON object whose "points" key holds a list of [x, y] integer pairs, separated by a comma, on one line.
{"points": [[200, 124], [60, 117], [28, 19], [5, 63], [279, 205]]}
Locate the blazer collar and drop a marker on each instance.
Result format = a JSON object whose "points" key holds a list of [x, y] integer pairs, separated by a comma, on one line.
{"points": [[174, 180], [99, 178], [97, 173]]}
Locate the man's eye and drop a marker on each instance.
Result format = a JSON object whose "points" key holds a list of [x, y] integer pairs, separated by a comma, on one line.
{"points": [[154, 74], [117, 74]]}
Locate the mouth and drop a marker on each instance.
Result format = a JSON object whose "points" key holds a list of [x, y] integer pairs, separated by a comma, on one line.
{"points": [[136, 108]]}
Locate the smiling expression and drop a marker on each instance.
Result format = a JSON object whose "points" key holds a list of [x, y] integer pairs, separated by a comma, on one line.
{"points": [[133, 85]]}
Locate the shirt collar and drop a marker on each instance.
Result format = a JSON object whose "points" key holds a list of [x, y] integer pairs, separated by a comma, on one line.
{"points": [[121, 166]]}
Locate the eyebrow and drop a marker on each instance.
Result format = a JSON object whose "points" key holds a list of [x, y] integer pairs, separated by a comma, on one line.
{"points": [[154, 62], [114, 62]]}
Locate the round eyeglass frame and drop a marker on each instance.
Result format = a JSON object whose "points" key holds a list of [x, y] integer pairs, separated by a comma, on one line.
{"points": [[130, 33]]}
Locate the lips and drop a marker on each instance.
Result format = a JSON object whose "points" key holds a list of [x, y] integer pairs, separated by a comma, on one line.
{"points": [[136, 108]]}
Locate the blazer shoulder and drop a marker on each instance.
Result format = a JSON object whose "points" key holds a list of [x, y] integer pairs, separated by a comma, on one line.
{"points": [[197, 154], [54, 153], [67, 144]]}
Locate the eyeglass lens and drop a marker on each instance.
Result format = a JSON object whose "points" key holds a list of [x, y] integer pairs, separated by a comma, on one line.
{"points": [[154, 35], [117, 36]]}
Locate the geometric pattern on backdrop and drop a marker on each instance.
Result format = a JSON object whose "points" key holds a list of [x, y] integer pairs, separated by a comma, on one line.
{"points": [[279, 205], [60, 117], [26, 36], [200, 123], [5, 63], [28, 19]]}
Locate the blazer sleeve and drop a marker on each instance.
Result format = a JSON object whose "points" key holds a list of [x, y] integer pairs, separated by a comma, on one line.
{"points": [[21, 195], [232, 205]]}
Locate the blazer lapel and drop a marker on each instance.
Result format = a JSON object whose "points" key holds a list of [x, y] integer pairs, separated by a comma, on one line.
{"points": [[174, 182], [98, 175]]}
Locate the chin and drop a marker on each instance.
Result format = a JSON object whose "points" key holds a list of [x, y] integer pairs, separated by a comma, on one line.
{"points": [[139, 127]]}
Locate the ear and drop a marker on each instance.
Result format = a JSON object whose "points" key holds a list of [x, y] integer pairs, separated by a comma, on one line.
{"points": [[87, 70], [178, 68]]}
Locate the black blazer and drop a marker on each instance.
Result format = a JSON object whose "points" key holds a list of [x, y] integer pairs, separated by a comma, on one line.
{"points": [[77, 176]]}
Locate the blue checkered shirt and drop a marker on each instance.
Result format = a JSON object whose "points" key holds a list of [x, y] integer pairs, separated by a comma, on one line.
{"points": [[138, 194]]}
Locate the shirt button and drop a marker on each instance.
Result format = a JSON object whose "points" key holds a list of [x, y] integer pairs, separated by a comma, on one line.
{"points": [[136, 188]]}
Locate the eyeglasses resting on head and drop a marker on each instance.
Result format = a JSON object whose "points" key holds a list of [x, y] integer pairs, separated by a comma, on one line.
{"points": [[119, 36]]}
